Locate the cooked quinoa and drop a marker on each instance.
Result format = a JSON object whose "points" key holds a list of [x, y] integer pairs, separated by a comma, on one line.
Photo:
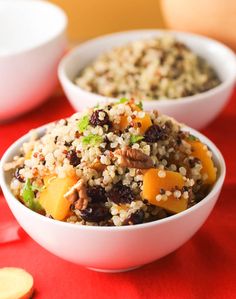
{"points": [[108, 151], [151, 69]]}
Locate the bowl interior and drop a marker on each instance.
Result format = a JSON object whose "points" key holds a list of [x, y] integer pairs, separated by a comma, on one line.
{"points": [[25, 24], [221, 58], [5, 178]]}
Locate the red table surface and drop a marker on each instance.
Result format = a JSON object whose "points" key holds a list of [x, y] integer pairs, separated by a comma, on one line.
{"points": [[205, 267]]}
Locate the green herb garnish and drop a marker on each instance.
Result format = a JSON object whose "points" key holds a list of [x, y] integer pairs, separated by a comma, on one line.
{"points": [[140, 105], [135, 138], [83, 123], [122, 101], [192, 137], [29, 196], [91, 139]]}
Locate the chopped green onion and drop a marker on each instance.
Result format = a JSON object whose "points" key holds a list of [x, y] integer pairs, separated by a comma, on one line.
{"points": [[83, 123], [91, 139], [29, 196], [192, 137], [122, 101], [135, 138]]}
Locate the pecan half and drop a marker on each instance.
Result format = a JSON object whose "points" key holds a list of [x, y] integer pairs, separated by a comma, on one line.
{"points": [[77, 195], [18, 161], [133, 158], [98, 166]]}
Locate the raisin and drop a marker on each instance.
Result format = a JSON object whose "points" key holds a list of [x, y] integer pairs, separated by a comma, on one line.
{"points": [[97, 194], [193, 161], [18, 176], [95, 213], [68, 143], [73, 158], [120, 194], [184, 189], [135, 218], [156, 133], [96, 121]]}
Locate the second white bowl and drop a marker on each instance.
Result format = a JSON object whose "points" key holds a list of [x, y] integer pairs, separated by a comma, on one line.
{"points": [[32, 42], [196, 111]]}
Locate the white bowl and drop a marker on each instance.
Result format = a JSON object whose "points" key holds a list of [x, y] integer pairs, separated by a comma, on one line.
{"points": [[32, 35], [112, 249], [196, 111]]}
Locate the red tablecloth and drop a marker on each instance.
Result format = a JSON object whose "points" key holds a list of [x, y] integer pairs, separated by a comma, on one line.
{"points": [[205, 267]]}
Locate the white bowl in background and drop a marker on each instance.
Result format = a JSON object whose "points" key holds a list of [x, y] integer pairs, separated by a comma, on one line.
{"points": [[112, 249], [32, 35], [196, 111]]}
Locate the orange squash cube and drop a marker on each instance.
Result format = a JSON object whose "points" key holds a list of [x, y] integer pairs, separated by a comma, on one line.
{"points": [[52, 197], [200, 151], [152, 183]]}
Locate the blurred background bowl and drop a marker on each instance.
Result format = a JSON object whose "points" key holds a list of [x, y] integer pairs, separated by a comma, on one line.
{"points": [[196, 111], [32, 35], [213, 18]]}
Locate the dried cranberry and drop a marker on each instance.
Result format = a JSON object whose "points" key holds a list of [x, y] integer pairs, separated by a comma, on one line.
{"points": [[19, 176], [73, 158], [120, 194], [135, 218], [96, 121], [97, 194], [95, 213], [156, 133]]}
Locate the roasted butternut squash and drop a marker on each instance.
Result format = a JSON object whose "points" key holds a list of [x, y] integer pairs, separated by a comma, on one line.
{"points": [[52, 197], [143, 123], [152, 183], [200, 151]]}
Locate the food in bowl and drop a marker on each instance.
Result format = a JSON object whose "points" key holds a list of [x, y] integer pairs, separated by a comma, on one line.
{"points": [[112, 165], [151, 69]]}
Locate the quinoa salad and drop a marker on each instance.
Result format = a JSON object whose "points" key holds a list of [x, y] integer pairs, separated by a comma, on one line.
{"points": [[150, 69], [112, 165]]}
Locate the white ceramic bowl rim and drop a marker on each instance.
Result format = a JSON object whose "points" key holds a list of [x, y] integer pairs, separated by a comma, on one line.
{"points": [[162, 102], [216, 154], [56, 9]]}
